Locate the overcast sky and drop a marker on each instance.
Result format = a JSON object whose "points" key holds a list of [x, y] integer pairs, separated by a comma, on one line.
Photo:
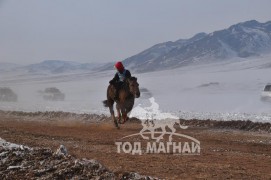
{"points": [[109, 30]]}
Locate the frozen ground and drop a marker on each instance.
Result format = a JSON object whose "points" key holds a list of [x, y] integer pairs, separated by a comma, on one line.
{"points": [[223, 91]]}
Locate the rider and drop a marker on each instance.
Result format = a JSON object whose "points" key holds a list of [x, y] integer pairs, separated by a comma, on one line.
{"points": [[119, 78]]}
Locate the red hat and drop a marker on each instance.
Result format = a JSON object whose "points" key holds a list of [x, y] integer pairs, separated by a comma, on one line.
{"points": [[119, 66]]}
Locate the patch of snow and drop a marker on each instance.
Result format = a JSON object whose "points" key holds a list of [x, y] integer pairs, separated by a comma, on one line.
{"points": [[151, 112], [227, 50], [61, 151], [261, 37], [7, 145]]}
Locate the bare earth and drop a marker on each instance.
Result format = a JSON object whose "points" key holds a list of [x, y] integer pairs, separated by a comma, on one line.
{"points": [[225, 153]]}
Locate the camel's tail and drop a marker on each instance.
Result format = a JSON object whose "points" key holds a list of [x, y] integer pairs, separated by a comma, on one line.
{"points": [[105, 102]]}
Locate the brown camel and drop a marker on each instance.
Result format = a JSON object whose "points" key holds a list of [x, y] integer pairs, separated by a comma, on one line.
{"points": [[125, 102]]}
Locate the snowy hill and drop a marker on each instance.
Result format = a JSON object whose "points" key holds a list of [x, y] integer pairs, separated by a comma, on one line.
{"points": [[49, 67], [243, 40]]}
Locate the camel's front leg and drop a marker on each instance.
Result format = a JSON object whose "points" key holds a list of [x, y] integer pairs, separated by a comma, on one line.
{"points": [[113, 116], [119, 114], [124, 115]]}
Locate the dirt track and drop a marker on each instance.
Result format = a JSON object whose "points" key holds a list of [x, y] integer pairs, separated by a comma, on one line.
{"points": [[224, 153]]}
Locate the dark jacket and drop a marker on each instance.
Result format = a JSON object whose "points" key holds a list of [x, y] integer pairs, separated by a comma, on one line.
{"points": [[117, 76]]}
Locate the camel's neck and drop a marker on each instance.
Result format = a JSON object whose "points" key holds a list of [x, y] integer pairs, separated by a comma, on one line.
{"points": [[127, 94], [127, 91]]}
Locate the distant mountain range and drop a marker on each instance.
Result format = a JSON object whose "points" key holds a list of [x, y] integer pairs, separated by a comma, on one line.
{"points": [[50, 67], [8, 66], [243, 40], [60, 66]]}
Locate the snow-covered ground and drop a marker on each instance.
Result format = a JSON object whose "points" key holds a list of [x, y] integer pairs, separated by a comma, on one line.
{"points": [[223, 91]]}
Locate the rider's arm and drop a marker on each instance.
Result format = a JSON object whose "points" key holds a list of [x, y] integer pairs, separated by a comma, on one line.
{"points": [[115, 79], [128, 74]]}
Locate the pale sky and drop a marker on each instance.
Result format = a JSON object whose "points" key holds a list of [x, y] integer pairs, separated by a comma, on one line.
{"points": [[109, 30]]}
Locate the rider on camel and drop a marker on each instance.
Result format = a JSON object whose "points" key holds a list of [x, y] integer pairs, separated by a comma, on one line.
{"points": [[121, 75]]}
